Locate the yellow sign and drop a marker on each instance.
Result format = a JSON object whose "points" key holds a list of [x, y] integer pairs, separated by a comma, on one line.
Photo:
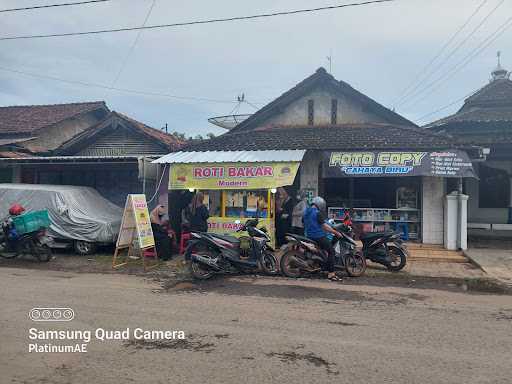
{"points": [[232, 175], [228, 226], [136, 222]]}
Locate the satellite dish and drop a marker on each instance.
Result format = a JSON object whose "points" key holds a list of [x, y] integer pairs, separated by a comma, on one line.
{"points": [[228, 121]]}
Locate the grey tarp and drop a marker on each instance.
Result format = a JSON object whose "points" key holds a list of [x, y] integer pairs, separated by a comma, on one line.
{"points": [[76, 213]]}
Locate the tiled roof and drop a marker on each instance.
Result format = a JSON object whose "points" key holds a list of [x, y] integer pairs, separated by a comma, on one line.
{"points": [[165, 140], [13, 155], [491, 103], [170, 140], [27, 119], [320, 77], [342, 137]]}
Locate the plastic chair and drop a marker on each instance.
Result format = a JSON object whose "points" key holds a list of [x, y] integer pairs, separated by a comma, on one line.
{"points": [[185, 237]]}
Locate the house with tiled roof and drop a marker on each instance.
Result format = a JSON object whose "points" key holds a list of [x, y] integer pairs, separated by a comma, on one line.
{"points": [[485, 120], [80, 144], [357, 154]]}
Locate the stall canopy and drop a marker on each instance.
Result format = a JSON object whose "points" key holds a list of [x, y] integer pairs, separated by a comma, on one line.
{"points": [[232, 169], [445, 163]]}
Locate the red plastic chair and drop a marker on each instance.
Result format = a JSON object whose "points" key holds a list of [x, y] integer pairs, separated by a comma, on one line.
{"points": [[185, 237]]}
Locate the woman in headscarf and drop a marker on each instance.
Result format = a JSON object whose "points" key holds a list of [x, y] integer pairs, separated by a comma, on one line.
{"points": [[283, 215], [162, 240], [198, 214]]}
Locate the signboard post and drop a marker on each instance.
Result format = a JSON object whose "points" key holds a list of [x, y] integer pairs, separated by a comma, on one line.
{"points": [[135, 233]]}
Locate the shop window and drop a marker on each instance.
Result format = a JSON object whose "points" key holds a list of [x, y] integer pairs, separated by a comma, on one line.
{"points": [[244, 204], [334, 111], [311, 112], [213, 200], [494, 188]]}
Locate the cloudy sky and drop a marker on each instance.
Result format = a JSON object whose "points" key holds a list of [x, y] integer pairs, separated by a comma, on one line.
{"points": [[379, 49]]}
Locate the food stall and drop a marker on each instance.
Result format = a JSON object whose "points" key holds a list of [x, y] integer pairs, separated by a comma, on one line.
{"points": [[237, 185]]}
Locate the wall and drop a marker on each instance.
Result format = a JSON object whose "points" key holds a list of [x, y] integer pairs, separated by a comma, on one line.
{"points": [[485, 215], [432, 210], [53, 137], [349, 111], [309, 171]]}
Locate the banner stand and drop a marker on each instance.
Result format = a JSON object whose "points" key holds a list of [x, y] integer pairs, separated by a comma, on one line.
{"points": [[135, 234]]}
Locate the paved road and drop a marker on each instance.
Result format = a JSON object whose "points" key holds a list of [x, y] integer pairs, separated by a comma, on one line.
{"points": [[256, 330]]}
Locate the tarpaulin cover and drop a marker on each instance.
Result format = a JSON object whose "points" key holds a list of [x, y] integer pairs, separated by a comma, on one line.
{"points": [[76, 213]]}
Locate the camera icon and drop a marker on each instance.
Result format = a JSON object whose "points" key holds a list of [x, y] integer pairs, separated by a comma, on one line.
{"points": [[51, 314]]}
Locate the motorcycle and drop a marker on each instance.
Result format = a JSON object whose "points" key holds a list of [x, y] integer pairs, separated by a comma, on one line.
{"points": [[34, 243], [304, 256], [211, 253], [385, 248]]}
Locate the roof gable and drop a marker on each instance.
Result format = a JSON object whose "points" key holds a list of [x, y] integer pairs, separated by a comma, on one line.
{"points": [[498, 93], [27, 119], [120, 135], [319, 79]]}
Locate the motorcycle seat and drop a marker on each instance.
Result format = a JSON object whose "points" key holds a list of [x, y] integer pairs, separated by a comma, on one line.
{"points": [[374, 235], [302, 238], [230, 239]]}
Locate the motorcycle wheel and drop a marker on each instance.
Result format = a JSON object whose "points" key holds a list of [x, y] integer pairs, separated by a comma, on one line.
{"points": [[268, 263], [398, 258], [43, 253], [287, 262], [355, 264], [198, 270]]}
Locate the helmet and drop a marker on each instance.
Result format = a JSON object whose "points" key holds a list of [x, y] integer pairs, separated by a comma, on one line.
{"points": [[319, 202], [16, 209]]}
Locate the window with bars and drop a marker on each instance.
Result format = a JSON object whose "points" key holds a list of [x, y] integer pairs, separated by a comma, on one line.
{"points": [[334, 111], [311, 112]]}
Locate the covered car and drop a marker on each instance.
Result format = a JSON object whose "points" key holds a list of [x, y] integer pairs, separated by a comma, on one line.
{"points": [[78, 215]]}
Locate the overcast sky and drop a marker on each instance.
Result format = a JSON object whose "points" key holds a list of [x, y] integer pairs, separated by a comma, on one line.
{"points": [[378, 49]]}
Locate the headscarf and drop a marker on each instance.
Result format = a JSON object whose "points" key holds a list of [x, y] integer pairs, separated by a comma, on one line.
{"points": [[157, 213]]}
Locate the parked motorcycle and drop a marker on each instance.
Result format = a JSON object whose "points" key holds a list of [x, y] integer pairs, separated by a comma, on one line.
{"points": [[304, 256], [385, 248], [34, 243], [211, 253]]}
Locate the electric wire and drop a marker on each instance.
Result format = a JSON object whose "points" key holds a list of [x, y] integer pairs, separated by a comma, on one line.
{"points": [[416, 91], [406, 90], [102, 86], [197, 22], [132, 48], [52, 5], [468, 58]]}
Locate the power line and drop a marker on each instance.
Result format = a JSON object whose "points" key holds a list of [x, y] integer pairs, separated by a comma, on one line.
{"points": [[405, 92], [422, 118], [415, 92], [101, 86], [467, 59], [52, 5], [132, 48], [198, 22]]}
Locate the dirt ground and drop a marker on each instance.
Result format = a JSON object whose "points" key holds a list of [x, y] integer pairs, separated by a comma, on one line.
{"points": [[256, 329]]}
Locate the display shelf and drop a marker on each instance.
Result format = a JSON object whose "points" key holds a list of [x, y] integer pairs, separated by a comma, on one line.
{"points": [[382, 219]]}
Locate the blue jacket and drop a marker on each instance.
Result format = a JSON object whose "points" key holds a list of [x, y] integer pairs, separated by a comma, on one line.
{"points": [[313, 221]]}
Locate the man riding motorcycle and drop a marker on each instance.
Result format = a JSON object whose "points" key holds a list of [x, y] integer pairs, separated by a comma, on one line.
{"points": [[316, 229]]}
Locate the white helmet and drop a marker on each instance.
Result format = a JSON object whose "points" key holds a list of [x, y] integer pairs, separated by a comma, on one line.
{"points": [[319, 202]]}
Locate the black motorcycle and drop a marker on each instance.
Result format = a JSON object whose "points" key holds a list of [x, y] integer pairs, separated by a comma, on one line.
{"points": [[386, 248], [211, 253], [304, 256], [34, 243]]}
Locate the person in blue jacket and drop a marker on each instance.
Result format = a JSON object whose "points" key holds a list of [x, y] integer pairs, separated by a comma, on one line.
{"points": [[317, 229]]}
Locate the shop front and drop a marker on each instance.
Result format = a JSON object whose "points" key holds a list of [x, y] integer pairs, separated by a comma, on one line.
{"points": [[236, 185], [389, 190]]}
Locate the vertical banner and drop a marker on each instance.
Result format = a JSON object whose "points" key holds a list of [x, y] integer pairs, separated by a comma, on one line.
{"points": [[136, 223]]}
